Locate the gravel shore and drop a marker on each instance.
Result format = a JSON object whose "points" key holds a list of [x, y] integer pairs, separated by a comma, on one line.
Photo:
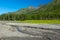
{"points": [[27, 31]]}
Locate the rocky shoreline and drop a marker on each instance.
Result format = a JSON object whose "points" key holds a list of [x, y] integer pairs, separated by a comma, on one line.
{"points": [[26, 31]]}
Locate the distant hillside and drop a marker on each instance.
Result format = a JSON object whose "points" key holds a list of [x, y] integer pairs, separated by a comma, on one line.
{"points": [[51, 11], [26, 10]]}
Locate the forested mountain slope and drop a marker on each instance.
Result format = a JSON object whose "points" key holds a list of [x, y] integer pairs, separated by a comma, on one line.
{"points": [[50, 11]]}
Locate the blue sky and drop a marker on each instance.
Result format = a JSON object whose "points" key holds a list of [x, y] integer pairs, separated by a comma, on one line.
{"points": [[14, 5]]}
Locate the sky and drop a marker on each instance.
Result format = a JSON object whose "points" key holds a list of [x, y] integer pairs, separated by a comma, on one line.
{"points": [[14, 5]]}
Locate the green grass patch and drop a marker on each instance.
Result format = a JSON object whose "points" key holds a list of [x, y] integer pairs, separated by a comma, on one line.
{"points": [[42, 21]]}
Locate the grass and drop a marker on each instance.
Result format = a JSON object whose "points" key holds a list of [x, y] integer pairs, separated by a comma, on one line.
{"points": [[42, 21]]}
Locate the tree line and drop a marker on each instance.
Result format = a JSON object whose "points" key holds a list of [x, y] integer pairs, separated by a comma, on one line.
{"points": [[32, 16]]}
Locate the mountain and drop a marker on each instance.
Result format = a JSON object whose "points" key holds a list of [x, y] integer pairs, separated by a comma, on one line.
{"points": [[26, 10], [53, 6], [50, 11]]}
